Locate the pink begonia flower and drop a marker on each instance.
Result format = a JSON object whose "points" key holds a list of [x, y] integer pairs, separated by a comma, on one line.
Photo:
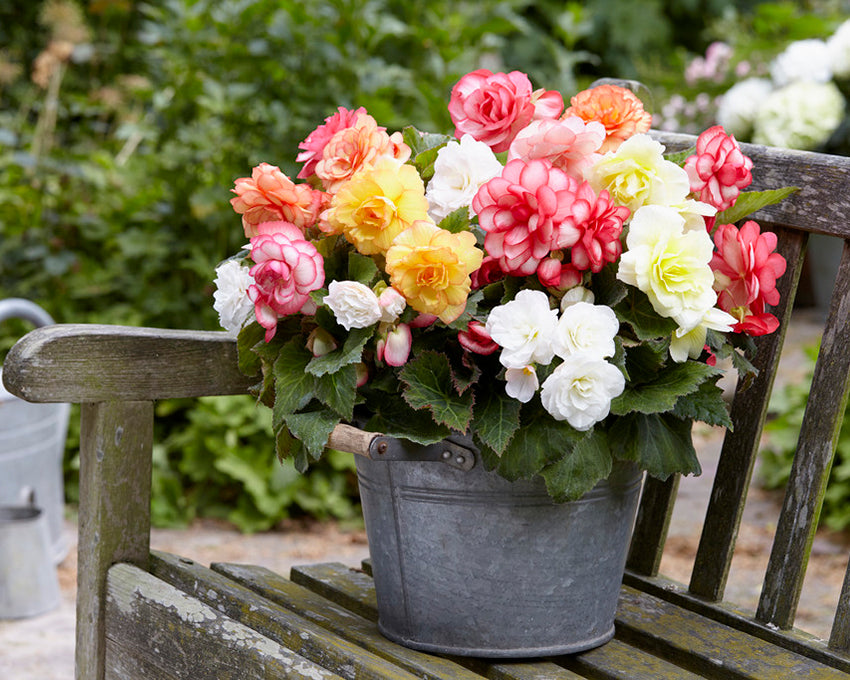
{"points": [[718, 170], [488, 272], [553, 273], [357, 148], [592, 229], [494, 107], [476, 339], [315, 143], [521, 210], [423, 320], [287, 269], [745, 272], [268, 195], [395, 348], [570, 143]]}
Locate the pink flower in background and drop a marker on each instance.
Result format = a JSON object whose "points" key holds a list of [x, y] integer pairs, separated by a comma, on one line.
{"points": [[570, 144], [476, 339], [521, 211], [494, 107], [592, 229], [287, 269], [745, 272], [268, 195], [718, 170], [315, 143]]}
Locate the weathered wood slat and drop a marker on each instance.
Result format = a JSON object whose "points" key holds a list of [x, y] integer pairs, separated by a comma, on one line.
{"points": [[839, 637], [89, 363], [812, 462], [355, 591], [740, 446], [821, 205], [708, 647], [278, 623], [155, 630], [114, 524], [651, 525], [618, 661]]}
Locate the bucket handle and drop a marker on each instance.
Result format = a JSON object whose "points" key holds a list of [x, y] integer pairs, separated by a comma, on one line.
{"points": [[19, 308], [380, 447]]}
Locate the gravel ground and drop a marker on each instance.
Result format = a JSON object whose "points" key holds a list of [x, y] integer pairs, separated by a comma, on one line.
{"points": [[41, 648]]}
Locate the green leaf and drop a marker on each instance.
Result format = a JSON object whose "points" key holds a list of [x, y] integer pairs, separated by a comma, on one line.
{"points": [[540, 441], [705, 404], [294, 387], [361, 268], [423, 141], [575, 474], [750, 201], [607, 289], [637, 311], [456, 221], [395, 418], [249, 337], [662, 393], [350, 353], [312, 429], [679, 157], [644, 361], [496, 419], [427, 380], [338, 391], [660, 443]]}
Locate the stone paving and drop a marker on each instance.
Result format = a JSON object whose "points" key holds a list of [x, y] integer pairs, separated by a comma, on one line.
{"points": [[41, 648]]}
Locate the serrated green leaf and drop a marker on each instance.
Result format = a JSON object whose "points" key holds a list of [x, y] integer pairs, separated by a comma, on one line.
{"points": [[660, 443], [607, 289], [636, 310], [427, 379], [361, 268], [351, 352], [644, 361], [422, 141], [662, 393], [338, 390], [312, 429], [705, 404], [396, 419], [293, 386], [250, 336], [540, 441], [575, 474], [496, 419], [456, 221], [749, 202]]}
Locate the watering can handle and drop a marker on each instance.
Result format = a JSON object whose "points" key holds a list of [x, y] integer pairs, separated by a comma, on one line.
{"points": [[19, 308]]}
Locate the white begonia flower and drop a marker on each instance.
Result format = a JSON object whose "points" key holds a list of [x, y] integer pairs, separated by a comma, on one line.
{"points": [[522, 383], [637, 174], [670, 265], [800, 116], [739, 106], [576, 294], [802, 60], [839, 50], [231, 299], [524, 328], [580, 390], [694, 213], [684, 343], [392, 304], [354, 304], [459, 171], [586, 329]]}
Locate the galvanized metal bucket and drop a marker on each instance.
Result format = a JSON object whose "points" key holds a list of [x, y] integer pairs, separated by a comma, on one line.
{"points": [[29, 584], [470, 564], [32, 442]]}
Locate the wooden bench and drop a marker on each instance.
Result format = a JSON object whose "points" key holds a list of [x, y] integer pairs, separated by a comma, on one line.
{"points": [[158, 615]]}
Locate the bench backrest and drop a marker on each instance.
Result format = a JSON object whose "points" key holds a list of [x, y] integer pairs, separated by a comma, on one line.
{"points": [[117, 372]]}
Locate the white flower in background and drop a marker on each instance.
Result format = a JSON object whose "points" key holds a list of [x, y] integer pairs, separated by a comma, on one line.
{"points": [[522, 383], [839, 51], [690, 343], [459, 171], [524, 328], [802, 60], [739, 106], [580, 390], [670, 265], [577, 294], [354, 304], [800, 116], [392, 304], [231, 299], [586, 329]]}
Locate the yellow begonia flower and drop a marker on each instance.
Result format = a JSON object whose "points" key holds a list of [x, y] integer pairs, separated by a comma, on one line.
{"points": [[431, 267], [377, 204]]}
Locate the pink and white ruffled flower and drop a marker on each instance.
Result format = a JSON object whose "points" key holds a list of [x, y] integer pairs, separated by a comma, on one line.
{"points": [[314, 145], [569, 143], [718, 170], [476, 339], [287, 269]]}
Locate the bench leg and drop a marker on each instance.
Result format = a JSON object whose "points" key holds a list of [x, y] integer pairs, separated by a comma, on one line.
{"points": [[114, 514]]}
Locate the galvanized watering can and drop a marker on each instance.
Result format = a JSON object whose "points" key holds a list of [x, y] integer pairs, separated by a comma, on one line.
{"points": [[32, 442]]}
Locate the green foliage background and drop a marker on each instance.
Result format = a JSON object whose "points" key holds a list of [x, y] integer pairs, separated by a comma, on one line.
{"points": [[115, 177]]}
